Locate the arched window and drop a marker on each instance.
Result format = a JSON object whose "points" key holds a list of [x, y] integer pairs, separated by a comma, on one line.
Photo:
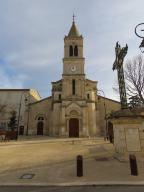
{"points": [[73, 86], [76, 51], [70, 50]]}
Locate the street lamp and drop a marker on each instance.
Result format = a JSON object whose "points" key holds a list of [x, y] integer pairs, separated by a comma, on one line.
{"points": [[19, 111], [27, 100], [105, 129], [139, 31]]}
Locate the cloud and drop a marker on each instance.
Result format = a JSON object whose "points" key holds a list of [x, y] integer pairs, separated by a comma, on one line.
{"points": [[32, 31], [7, 81]]}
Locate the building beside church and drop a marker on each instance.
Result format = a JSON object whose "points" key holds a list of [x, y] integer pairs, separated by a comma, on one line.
{"points": [[74, 109], [16, 100]]}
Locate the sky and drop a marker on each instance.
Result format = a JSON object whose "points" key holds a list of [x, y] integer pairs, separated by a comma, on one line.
{"points": [[32, 33]]}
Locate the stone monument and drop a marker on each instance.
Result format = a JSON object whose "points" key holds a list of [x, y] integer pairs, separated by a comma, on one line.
{"points": [[128, 124], [118, 65]]}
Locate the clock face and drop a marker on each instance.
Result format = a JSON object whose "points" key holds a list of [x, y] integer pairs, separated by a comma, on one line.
{"points": [[73, 68]]}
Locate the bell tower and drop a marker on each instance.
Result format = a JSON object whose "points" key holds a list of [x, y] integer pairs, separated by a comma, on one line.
{"points": [[73, 64]]}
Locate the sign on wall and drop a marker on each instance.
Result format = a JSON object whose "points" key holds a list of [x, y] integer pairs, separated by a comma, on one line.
{"points": [[132, 139]]}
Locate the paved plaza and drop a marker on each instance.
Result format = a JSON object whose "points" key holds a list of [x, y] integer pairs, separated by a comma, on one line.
{"points": [[49, 161]]}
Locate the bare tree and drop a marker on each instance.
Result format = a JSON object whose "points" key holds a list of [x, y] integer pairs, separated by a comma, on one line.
{"points": [[2, 108], [134, 79], [134, 76]]}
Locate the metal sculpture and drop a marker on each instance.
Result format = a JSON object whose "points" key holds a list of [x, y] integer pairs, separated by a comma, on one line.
{"points": [[118, 65], [139, 31]]}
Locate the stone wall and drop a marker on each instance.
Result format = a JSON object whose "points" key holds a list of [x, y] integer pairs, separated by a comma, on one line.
{"points": [[104, 107], [41, 109]]}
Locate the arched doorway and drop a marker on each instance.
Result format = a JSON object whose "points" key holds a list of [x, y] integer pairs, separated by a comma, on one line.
{"points": [[73, 127], [21, 130], [110, 132], [40, 128]]}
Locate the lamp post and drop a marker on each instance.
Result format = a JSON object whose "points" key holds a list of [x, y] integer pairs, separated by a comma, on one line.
{"points": [[28, 102], [105, 129], [19, 111], [139, 31]]}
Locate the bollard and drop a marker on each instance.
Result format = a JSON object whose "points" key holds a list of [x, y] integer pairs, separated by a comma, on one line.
{"points": [[133, 165], [79, 166]]}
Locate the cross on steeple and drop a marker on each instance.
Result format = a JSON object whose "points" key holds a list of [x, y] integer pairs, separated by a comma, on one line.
{"points": [[74, 17]]}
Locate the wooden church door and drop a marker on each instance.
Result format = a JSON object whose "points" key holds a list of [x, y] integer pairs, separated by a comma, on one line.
{"points": [[73, 127]]}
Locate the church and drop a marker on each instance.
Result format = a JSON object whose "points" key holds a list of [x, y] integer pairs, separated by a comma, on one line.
{"points": [[74, 108]]}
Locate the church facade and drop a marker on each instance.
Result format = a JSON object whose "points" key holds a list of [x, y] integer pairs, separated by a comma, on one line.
{"points": [[74, 108]]}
